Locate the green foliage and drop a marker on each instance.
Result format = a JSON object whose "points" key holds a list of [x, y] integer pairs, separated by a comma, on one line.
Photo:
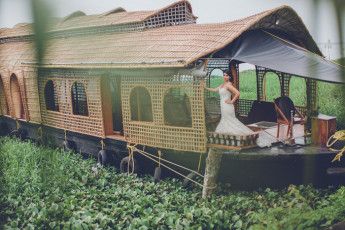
{"points": [[46, 188]]}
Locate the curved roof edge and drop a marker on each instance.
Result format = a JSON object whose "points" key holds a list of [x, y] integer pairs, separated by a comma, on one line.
{"points": [[259, 21]]}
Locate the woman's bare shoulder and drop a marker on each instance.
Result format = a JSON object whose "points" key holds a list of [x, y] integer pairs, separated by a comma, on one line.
{"points": [[229, 84]]}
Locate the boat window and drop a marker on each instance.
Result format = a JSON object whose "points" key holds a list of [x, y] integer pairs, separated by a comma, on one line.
{"points": [[18, 108], [298, 91], [79, 99], [215, 79], [3, 101], [177, 108], [247, 81], [140, 103], [50, 96], [271, 86]]}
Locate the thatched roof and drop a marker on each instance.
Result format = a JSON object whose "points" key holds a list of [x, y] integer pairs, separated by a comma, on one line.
{"points": [[168, 46]]}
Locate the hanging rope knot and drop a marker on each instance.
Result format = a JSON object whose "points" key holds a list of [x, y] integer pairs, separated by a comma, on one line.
{"points": [[102, 144], [199, 164], [337, 136], [40, 132], [131, 150], [339, 155], [65, 133], [159, 158], [17, 124]]}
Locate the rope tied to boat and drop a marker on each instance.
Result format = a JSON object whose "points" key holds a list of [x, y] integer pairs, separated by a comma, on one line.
{"points": [[199, 164], [158, 159], [17, 124], [40, 132], [131, 150], [337, 136], [65, 133], [102, 144]]}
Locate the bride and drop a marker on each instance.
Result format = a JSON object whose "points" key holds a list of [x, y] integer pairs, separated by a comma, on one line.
{"points": [[229, 124]]}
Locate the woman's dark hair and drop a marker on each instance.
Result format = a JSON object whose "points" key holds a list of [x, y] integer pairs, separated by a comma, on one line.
{"points": [[228, 72]]}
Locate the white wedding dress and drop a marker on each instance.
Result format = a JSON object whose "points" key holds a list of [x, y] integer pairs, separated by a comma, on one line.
{"points": [[229, 124]]}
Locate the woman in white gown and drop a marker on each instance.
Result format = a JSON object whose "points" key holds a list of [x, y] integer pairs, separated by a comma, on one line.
{"points": [[229, 124]]}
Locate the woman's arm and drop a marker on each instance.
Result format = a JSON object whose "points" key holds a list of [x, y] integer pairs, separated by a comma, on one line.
{"points": [[209, 89], [234, 92]]}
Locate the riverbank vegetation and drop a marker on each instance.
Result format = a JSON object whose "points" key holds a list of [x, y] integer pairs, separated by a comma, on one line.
{"points": [[51, 189]]}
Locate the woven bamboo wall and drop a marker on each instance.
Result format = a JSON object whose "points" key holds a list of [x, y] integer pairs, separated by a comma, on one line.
{"points": [[3, 100], [6, 80], [64, 118], [5, 76], [156, 133], [32, 97]]}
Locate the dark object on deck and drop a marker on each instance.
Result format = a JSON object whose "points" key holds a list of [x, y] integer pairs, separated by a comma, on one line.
{"points": [[262, 111], [286, 114], [286, 105]]}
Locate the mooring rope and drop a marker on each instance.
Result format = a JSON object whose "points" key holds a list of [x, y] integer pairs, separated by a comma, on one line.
{"points": [[40, 132], [65, 133], [337, 136], [133, 149], [17, 124], [102, 144]]}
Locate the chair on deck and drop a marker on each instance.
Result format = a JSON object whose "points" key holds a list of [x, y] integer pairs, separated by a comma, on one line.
{"points": [[286, 114]]}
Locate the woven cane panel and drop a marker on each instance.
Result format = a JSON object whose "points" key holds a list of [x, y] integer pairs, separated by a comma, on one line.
{"points": [[285, 83], [17, 78], [7, 92], [157, 133], [64, 118], [179, 14], [244, 106], [312, 103], [3, 102], [32, 97]]}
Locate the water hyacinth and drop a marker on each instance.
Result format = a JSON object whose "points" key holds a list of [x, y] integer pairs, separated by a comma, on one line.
{"points": [[42, 187]]}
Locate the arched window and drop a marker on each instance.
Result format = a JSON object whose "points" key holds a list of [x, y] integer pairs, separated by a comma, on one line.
{"points": [[51, 97], [3, 101], [79, 99], [216, 79], [271, 86], [298, 91], [247, 80], [177, 108], [140, 103], [16, 97]]}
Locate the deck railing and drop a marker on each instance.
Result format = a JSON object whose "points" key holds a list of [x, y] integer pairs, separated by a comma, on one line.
{"points": [[228, 141]]}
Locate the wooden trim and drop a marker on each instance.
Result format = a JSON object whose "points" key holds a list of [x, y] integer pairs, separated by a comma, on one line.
{"points": [[106, 106]]}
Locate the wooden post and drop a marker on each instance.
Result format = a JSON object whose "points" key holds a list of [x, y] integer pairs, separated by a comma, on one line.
{"points": [[211, 173]]}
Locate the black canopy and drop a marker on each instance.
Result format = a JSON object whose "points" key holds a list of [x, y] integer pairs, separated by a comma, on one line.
{"points": [[267, 50]]}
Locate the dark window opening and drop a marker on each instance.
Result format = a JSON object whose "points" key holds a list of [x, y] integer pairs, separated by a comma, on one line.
{"points": [[115, 90], [177, 108], [141, 107], [79, 99], [51, 97]]}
